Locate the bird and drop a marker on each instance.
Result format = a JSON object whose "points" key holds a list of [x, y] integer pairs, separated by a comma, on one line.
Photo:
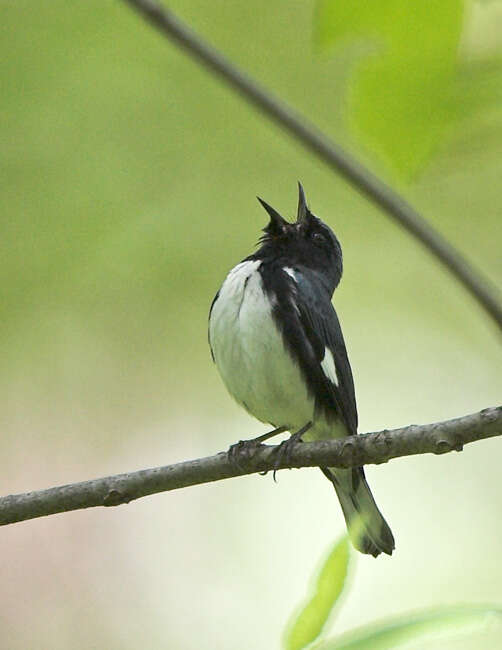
{"points": [[277, 343]]}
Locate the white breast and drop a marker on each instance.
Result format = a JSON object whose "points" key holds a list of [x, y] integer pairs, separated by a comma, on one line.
{"points": [[250, 355]]}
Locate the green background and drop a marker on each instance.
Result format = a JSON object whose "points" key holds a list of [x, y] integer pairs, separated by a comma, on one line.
{"points": [[128, 178]]}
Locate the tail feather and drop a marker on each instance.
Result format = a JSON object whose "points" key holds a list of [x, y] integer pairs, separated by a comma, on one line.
{"points": [[368, 530]]}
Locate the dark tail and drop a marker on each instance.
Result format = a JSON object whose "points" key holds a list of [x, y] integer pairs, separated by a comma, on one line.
{"points": [[368, 530]]}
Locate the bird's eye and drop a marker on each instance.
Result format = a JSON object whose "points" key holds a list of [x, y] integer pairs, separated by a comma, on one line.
{"points": [[318, 238]]}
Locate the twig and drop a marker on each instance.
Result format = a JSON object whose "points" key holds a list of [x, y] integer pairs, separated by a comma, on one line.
{"points": [[371, 448], [352, 170]]}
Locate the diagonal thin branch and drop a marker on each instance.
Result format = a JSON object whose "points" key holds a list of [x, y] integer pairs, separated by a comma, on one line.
{"points": [[361, 178], [353, 451]]}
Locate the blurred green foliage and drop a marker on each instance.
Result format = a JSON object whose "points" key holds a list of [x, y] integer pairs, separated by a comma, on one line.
{"points": [[419, 630], [401, 100], [309, 622], [416, 628]]}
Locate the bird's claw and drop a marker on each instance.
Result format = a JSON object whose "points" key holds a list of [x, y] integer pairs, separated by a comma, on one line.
{"points": [[242, 450], [283, 451]]}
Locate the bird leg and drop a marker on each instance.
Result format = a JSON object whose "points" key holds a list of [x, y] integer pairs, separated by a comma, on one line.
{"points": [[285, 448], [244, 448]]}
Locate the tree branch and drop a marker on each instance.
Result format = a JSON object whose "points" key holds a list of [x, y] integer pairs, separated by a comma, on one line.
{"points": [[353, 451], [361, 178]]}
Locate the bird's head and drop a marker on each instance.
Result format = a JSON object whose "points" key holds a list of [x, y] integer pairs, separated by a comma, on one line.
{"points": [[307, 242]]}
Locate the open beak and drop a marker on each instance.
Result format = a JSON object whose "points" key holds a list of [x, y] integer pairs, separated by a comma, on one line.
{"points": [[277, 223], [303, 211]]}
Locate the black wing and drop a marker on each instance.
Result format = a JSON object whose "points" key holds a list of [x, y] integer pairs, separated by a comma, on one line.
{"points": [[309, 325]]}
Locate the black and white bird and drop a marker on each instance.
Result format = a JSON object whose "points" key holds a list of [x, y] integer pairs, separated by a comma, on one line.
{"points": [[278, 346]]}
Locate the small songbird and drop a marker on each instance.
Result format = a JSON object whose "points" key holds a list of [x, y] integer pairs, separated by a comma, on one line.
{"points": [[278, 346]]}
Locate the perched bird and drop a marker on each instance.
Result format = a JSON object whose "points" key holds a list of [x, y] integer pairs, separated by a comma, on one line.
{"points": [[278, 346]]}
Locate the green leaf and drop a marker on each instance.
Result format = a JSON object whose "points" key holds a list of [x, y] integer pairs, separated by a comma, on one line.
{"points": [[437, 624], [309, 623], [400, 100]]}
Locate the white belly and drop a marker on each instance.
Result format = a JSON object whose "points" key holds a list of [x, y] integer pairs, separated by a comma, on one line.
{"points": [[250, 355]]}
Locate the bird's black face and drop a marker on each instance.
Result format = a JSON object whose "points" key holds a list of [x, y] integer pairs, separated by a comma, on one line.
{"points": [[308, 242]]}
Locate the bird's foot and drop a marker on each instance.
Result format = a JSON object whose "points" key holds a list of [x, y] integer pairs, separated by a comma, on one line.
{"points": [[244, 449], [283, 451]]}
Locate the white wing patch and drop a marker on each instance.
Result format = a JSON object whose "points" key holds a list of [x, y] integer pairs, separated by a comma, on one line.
{"points": [[328, 366], [290, 272]]}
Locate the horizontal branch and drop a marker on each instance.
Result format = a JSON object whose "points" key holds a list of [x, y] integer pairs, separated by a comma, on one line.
{"points": [[360, 177], [353, 451]]}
